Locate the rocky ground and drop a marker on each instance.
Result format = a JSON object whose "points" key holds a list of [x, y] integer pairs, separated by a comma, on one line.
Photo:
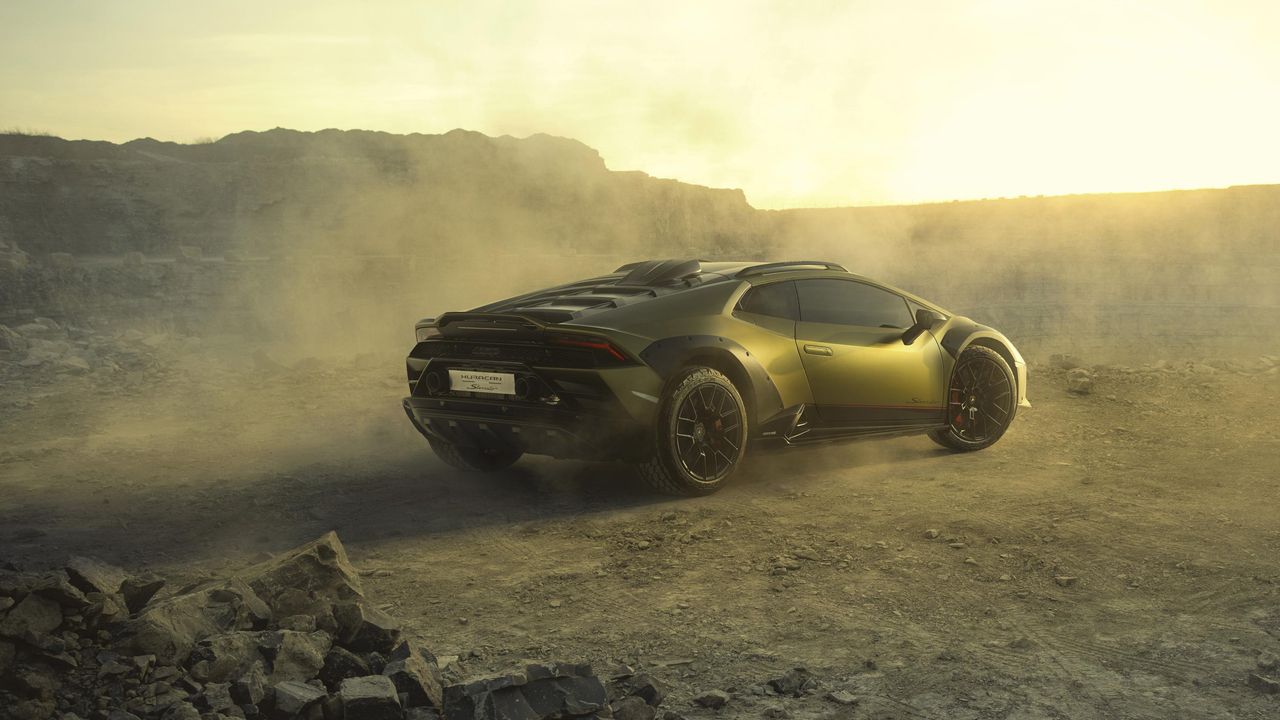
{"points": [[1115, 555]]}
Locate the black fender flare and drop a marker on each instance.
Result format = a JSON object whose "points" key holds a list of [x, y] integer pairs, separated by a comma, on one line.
{"points": [[668, 355], [964, 332]]}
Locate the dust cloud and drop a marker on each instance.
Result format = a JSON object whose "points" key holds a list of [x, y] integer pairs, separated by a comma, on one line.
{"points": [[275, 340]]}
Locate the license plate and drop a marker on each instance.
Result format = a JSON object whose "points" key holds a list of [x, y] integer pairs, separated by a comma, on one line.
{"points": [[485, 382]]}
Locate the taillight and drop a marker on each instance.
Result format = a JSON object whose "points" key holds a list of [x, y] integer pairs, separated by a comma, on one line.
{"points": [[426, 332], [594, 344]]}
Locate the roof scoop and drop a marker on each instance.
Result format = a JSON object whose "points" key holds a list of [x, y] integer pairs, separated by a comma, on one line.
{"points": [[658, 272]]}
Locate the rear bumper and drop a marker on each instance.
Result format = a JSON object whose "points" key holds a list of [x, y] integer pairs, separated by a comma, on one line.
{"points": [[561, 433]]}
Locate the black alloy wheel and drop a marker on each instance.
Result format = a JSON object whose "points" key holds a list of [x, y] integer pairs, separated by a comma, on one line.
{"points": [[700, 434], [708, 432], [981, 401]]}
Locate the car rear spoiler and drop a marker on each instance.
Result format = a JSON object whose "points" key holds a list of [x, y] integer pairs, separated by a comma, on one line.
{"points": [[496, 324]]}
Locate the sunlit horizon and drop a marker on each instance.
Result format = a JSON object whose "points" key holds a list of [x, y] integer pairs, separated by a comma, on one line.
{"points": [[847, 104]]}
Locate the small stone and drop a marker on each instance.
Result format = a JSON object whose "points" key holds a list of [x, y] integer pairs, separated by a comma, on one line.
{"points": [[797, 682], [956, 545], [417, 680], [1079, 382], [970, 561], [1264, 684], [931, 534], [298, 623], [642, 686], [1268, 661], [372, 697], [137, 591], [364, 628], [555, 603], [340, 664], [632, 708], [1066, 580], [251, 686], [93, 575], [293, 696], [299, 656], [56, 586], [143, 664], [1063, 361], [842, 697], [35, 614], [217, 696], [181, 711], [714, 699]]}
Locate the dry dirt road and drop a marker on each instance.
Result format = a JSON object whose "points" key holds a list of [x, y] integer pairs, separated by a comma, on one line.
{"points": [[1115, 556]]}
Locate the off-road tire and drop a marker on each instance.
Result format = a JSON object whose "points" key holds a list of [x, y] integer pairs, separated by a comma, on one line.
{"points": [[993, 366], [474, 459], [664, 470]]}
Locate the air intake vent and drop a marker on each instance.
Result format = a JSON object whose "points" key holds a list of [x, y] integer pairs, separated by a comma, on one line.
{"points": [[659, 272]]}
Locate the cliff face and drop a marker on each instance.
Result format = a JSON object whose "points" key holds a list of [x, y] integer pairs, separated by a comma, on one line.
{"points": [[348, 192]]}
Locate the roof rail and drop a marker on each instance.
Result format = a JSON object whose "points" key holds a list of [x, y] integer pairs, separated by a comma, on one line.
{"points": [[789, 265]]}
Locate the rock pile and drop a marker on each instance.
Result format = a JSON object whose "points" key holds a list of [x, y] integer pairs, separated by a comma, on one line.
{"points": [[293, 637], [43, 344]]}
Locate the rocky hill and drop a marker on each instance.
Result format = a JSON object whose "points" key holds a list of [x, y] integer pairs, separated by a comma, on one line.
{"points": [[349, 192], [356, 233]]}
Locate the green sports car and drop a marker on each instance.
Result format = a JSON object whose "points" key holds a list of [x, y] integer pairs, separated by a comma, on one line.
{"points": [[678, 365]]}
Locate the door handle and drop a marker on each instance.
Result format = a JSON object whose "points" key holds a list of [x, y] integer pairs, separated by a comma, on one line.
{"points": [[818, 350]]}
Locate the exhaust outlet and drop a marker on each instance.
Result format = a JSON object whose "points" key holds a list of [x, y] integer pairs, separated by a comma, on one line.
{"points": [[522, 388], [435, 383]]}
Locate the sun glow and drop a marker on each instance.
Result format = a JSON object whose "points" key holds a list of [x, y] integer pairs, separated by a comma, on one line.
{"points": [[799, 105]]}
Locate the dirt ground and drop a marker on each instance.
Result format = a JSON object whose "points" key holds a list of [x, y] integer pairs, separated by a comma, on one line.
{"points": [[1116, 555]]}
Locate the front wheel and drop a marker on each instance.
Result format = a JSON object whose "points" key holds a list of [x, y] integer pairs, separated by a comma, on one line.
{"points": [[700, 436], [474, 459], [980, 402]]}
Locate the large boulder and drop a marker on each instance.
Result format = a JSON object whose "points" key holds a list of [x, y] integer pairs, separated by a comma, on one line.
{"points": [[307, 580], [169, 629]]}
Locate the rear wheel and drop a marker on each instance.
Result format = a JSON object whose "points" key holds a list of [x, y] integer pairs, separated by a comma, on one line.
{"points": [[700, 436], [474, 459], [980, 402]]}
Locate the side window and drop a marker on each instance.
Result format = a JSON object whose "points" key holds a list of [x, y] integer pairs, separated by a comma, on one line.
{"points": [[914, 306], [775, 300], [847, 302]]}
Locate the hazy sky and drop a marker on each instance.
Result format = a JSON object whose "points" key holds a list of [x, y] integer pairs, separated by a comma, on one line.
{"points": [[799, 103]]}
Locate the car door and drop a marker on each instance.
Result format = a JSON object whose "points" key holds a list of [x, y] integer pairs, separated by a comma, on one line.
{"points": [[862, 374], [770, 311]]}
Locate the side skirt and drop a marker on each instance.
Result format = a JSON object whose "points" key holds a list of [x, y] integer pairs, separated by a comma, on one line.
{"points": [[802, 425]]}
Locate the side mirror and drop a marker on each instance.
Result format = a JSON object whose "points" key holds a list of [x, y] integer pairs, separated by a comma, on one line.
{"points": [[924, 320]]}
